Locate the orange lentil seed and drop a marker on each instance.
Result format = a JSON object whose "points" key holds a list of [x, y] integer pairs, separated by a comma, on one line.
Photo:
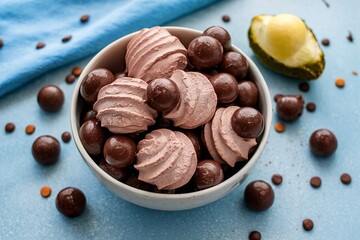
{"points": [[279, 127], [45, 191], [30, 129], [340, 82], [76, 71]]}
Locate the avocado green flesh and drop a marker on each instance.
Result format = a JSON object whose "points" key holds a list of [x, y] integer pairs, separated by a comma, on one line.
{"points": [[307, 63]]}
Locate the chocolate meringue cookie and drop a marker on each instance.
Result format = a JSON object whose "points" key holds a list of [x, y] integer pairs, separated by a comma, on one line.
{"points": [[166, 159], [154, 53], [223, 143], [121, 106], [197, 102]]}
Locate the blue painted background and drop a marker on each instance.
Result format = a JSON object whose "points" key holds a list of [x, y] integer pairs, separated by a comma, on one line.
{"points": [[333, 207]]}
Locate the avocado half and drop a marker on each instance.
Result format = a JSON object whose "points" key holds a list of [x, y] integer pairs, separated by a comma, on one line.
{"points": [[305, 62]]}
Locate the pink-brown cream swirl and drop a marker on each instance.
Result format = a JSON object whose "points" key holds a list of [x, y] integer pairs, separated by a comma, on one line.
{"points": [[154, 53], [223, 143], [166, 159], [121, 106], [198, 100]]}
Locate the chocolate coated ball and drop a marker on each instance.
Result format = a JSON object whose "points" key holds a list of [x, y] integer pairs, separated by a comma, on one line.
{"points": [[220, 34], [46, 149], [248, 94], [259, 195], [50, 98], [119, 151], [92, 136], [163, 95], [93, 82], [120, 174], [247, 122], [208, 173], [225, 86], [289, 107], [195, 141], [205, 52], [71, 202], [323, 142], [235, 64], [91, 114]]}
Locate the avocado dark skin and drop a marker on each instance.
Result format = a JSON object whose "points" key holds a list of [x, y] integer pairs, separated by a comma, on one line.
{"points": [[309, 71]]}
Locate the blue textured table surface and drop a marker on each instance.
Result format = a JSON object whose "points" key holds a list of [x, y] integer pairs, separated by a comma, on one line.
{"points": [[334, 207]]}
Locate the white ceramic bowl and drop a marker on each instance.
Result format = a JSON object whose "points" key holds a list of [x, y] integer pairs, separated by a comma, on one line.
{"points": [[112, 58]]}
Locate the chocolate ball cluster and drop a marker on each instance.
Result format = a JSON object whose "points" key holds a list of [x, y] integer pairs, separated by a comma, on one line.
{"points": [[210, 54], [322, 142]]}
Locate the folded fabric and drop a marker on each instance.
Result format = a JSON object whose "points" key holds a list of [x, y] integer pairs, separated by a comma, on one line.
{"points": [[24, 23]]}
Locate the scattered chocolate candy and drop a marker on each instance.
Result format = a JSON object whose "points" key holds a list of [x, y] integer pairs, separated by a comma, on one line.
{"points": [[259, 195], [46, 149], [66, 137], [9, 127], [93, 82], [311, 107], [325, 42], [315, 182], [323, 142], [345, 178], [66, 39], [162, 94], [195, 141], [205, 52], [220, 34], [40, 45], [30, 129], [304, 87], [119, 151], [1, 43], [120, 174], [208, 173], [235, 64], [277, 179], [84, 18], [247, 122], [350, 37], [70, 78], [226, 18], [92, 136], [254, 235], [289, 107], [50, 98], [308, 224], [225, 86], [248, 94], [71, 202]]}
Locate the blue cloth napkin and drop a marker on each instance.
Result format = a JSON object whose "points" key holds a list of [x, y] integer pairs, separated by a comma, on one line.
{"points": [[24, 23]]}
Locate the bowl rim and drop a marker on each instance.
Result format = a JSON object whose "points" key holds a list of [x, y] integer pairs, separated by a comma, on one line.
{"points": [[232, 181]]}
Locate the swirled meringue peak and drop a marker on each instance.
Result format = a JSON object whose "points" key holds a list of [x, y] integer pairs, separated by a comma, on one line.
{"points": [[198, 100], [121, 106], [223, 143], [154, 53], [166, 159]]}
